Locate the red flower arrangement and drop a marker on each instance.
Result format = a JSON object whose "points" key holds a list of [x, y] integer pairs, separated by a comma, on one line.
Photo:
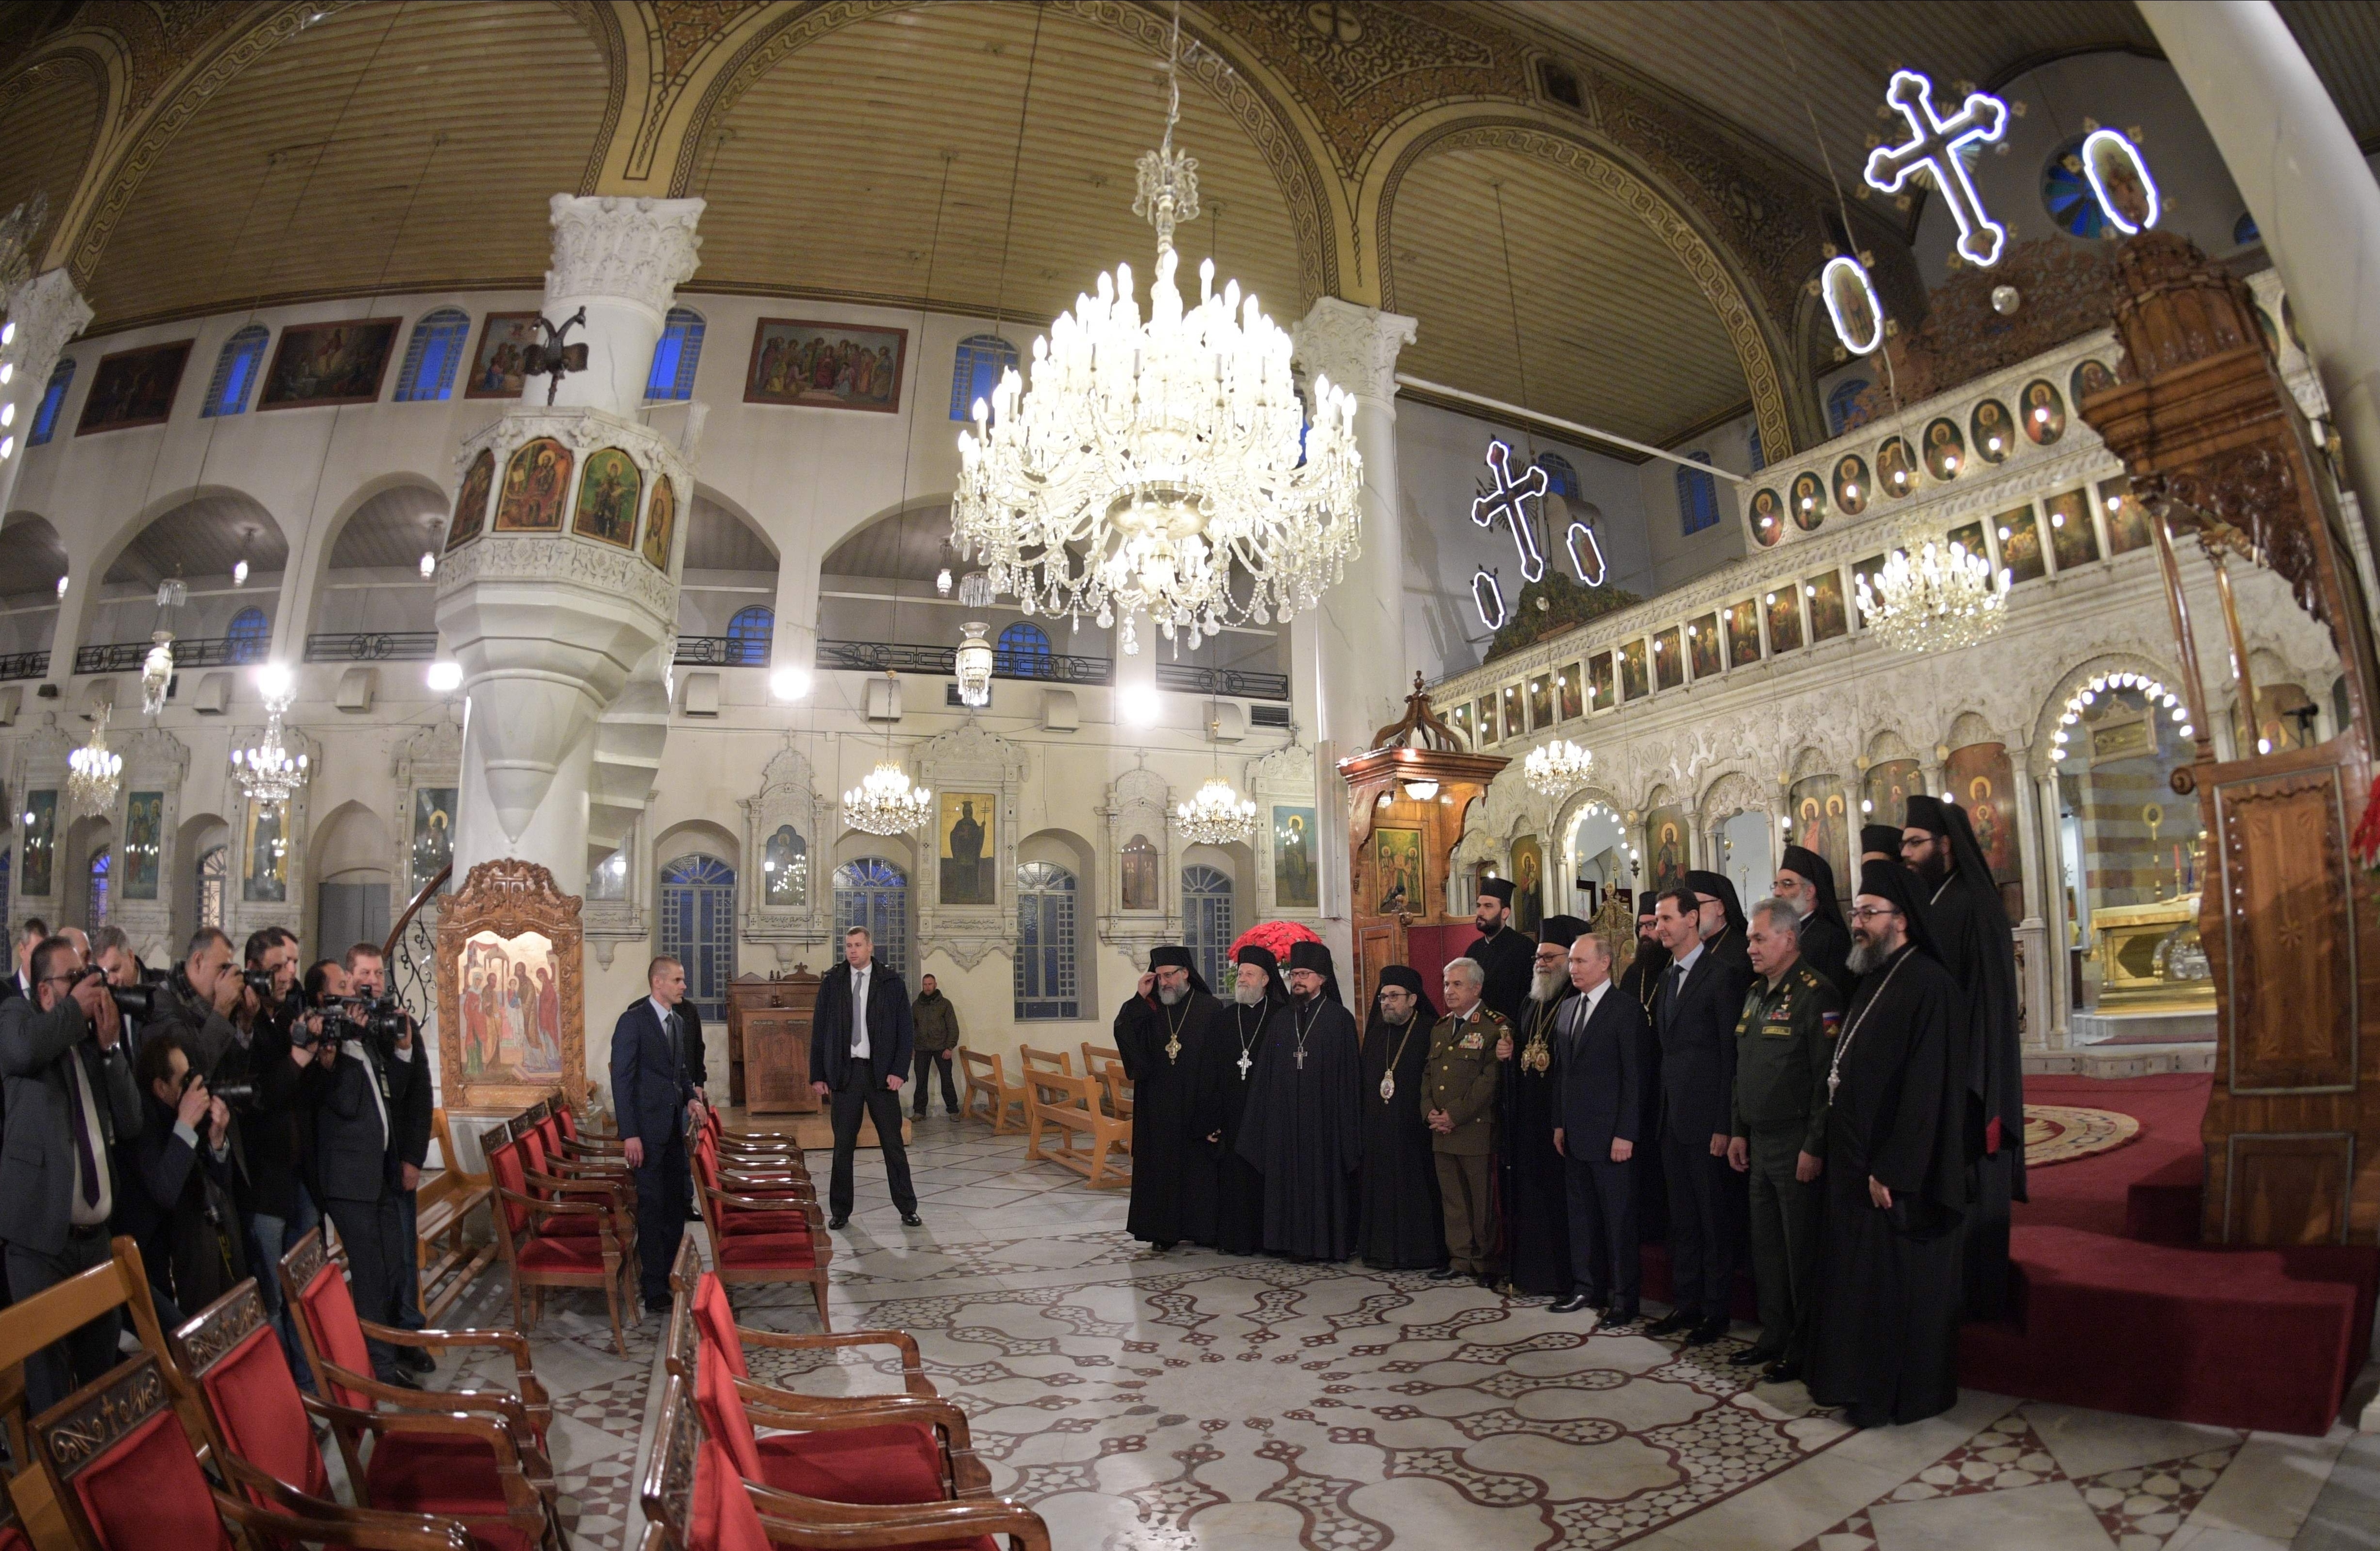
{"points": [[1276, 937], [2365, 847]]}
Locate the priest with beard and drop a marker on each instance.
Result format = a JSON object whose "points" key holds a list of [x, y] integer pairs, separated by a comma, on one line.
{"points": [[1722, 918], [1885, 1342], [1642, 984], [1806, 881], [1162, 1032], [1535, 1204], [1228, 1058], [1401, 1230], [1970, 931], [1502, 949], [1303, 1130]]}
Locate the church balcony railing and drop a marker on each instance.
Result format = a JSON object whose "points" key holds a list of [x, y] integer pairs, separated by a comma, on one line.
{"points": [[127, 656], [1189, 678], [371, 646], [24, 664], [1046, 668], [720, 652]]}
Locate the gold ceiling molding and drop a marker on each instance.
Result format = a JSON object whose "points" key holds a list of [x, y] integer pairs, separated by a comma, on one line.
{"points": [[600, 21], [1737, 314]]}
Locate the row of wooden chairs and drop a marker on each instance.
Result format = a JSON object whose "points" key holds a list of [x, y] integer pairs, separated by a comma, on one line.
{"points": [[762, 1209], [565, 1210]]}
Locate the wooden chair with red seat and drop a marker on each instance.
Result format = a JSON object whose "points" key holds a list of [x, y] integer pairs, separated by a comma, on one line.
{"points": [[575, 1141], [577, 1238], [422, 1465], [613, 1187], [766, 1238], [552, 1175], [334, 1336], [679, 1338], [748, 1175], [125, 1475]]}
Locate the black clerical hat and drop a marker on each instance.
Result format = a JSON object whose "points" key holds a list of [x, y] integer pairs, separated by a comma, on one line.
{"points": [[1168, 955], [1265, 959], [1406, 976], [1880, 837], [1424, 1007], [1719, 887], [1925, 813], [1498, 889], [1807, 863], [1310, 956], [1562, 930], [1891, 882]]}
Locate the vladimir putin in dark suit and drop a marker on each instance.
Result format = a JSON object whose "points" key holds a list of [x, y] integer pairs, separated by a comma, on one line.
{"points": [[1599, 1072], [653, 1097], [862, 1040], [1694, 1016]]}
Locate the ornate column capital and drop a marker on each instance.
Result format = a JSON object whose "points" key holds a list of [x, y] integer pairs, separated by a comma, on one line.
{"points": [[636, 251], [48, 312], [1355, 347]]}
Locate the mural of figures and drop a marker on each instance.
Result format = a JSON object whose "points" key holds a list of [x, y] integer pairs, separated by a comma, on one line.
{"points": [[608, 495], [1633, 685], [1668, 659], [537, 483], [2073, 536], [661, 524], [1138, 875], [1784, 608], [1702, 645], [1528, 885], [329, 363], [472, 501], [1396, 870], [433, 833], [504, 340], [1821, 822], [144, 827], [2090, 377], [1829, 617], [1896, 466], [1742, 633], [2019, 536], [1541, 701], [785, 867], [1852, 487], [1599, 682], [1994, 431], [836, 366], [264, 856], [1886, 791], [1295, 872], [967, 849], [1573, 681], [1945, 449], [2043, 411], [1971, 539], [1665, 848], [1983, 778], [2127, 520], [511, 1008], [1767, 517], [134, 387], [1807, 501]]}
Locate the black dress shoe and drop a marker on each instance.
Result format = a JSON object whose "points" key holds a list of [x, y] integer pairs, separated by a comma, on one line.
{"points": [[1671, 1322], [911, 1219], [418, 1360], [1706, 1332], [1755, 1354], [400, 1378], [1444, 1274], [1781, 1373], [838, 1219], [1619, 1318], [1569, 1305]]}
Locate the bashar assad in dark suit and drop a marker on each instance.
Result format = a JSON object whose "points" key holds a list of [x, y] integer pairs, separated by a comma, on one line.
{"points": [[653, 1094], [862, 1040], [1600, 1055]]}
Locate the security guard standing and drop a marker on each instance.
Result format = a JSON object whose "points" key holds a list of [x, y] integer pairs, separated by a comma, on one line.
{"points": [[1458, 1102], [1784, 1045]]}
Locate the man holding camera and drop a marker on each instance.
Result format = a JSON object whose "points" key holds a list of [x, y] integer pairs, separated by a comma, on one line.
{"points": [[356, 1152], [409, 1072], [69, 1099]]}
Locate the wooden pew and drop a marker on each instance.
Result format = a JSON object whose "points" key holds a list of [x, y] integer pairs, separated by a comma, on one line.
{"points": [[986, 1075], [1071, 1105], [1105, 1063], [449, 1258]]}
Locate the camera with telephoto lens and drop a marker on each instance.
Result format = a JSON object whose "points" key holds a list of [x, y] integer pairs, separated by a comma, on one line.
{"points": [[384, 1018], [137, 1003]]}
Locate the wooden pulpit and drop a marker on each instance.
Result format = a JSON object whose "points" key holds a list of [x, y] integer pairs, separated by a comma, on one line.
{"points": [[769, 1042]]}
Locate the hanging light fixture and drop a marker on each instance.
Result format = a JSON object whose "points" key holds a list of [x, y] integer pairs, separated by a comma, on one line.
{"points": [[974, 665], [94, 775], [1944, 599], [974, 590], [268, 772], [157, 667], [1217, 815], [1558, 768], [885, 803], [1161, 466]]}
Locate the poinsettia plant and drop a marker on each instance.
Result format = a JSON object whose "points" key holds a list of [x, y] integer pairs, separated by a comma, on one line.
{"points": [[2366, 848], [1276, 937]]}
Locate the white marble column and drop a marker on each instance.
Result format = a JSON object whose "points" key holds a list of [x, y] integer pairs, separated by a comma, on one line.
{"points": [[623, 260], [44, 313], [2296, 164]]}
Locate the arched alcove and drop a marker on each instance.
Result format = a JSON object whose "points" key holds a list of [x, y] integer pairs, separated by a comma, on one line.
{"points": [[33, 559], [202, 538], [348, 857]]}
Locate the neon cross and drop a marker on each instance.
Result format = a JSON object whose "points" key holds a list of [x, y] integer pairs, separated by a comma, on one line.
{"points": [[1936, 144], [1504, 500]]}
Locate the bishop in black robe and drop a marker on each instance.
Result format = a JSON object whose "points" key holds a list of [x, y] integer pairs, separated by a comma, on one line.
{"points": [[1303, 1130], [1970, 929], [1723, 907], [1160, 1033], [1227, 1064], [1501, 950], [1534, 1203], [1886, 1340], [1806, 881], [1642, 981], [1399, 1228]]}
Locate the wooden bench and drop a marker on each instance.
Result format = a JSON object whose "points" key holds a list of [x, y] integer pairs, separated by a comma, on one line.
{"points": [[1105, 1063], [986, 1075], [449, 1258], [1071, 1105]]}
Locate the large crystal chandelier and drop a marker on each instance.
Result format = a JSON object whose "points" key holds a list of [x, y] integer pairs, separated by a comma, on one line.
{"points": [[1558, 768], [94, 775], [268, 772], [1162, 467], [1944, 599], [885, 803], [1217, 815]]}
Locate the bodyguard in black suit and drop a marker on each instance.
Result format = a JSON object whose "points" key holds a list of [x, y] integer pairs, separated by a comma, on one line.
{"points": [[653, 1096], [1599, 1072], [1695, 1016], [860, 1049]]}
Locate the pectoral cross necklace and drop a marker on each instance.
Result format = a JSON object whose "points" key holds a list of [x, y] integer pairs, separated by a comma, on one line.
{"points": [[1843, 1045], [1173, 1032], [1304, 1027], [1247, 1041]]}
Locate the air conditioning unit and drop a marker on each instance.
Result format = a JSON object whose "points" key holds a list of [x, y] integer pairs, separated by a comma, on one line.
{"points": [[702, 694], [356, 687], [884, 700], [1227, 722], [212, 697], [12, 700], [1269, 716], [1059, 712]]}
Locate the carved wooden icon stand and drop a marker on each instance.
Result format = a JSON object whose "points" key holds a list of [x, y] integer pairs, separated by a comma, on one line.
{"points": [[2218, 451], [1415, 929], [510, 897]]}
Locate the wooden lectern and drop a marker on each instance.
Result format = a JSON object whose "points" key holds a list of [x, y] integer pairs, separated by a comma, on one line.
{"points": [[2218, 452], [1406, 796]]}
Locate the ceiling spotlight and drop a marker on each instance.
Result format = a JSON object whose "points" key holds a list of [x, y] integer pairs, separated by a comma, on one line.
{"points": [[790, 683], [239, 573], [428, 563], [443, 677]]}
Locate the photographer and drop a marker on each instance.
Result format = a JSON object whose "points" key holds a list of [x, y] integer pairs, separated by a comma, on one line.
{"points": [[263, 1068], [112, 951], [200, 995], [178, 1204], [70, 1098], [413, 1101], [20, 969], [354, 1139]]}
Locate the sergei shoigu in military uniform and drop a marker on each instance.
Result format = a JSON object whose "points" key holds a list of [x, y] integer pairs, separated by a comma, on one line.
{"points": [[1458, 1102]]}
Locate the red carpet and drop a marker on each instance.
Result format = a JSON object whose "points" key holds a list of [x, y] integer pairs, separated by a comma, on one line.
{"points": [[2117, 1307]]}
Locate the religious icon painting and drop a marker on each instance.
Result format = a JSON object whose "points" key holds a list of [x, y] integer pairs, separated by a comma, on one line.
{"points": [[1702, 645], [833, 366], [1599, 682], [1784, 610], [661, 523], [2089, 377], [1896, 467], [1487, 724], [472, 501], [966, 849], [1945, 448], [505, 339], [1888, 788], [433, 833], [2044, 411], [264, 855], [134, 387], [1824, 595], [1541, 701], [1296, 871], [1866, 571], [1983, 778], [1396, 870], [1743, 634], [1851, 486], [1993, 433], [1767, 517], [1669, 661], [1665, 845], [1820, 823], [1136, 875], [1459, 718], [39, 848], [1528, 885], [1808, 499], [329, 363], [2127, 520], [609, 492], [786, 868], [2020, 535], [1634, 684], [1571, 683], [144, 825], [509, 994], [2073, 538], [1516, 716], [537, 483], [1971, 539]]}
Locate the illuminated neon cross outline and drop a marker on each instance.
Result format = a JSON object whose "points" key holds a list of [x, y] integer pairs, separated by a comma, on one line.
{"points": [[1504, 500], [1982, 119]]}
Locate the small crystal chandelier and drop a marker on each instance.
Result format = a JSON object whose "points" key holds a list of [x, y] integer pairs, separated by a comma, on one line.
{"points": [[269, 773], [1558, 768], [974, 665], [1944, 599], [156, 672], [974, 590], [94, 775], [885, 803], [1217, 815], [1153, 467]]}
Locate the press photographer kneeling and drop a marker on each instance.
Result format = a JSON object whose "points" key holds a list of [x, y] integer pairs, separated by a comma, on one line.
{"points": [[178, 1204]]}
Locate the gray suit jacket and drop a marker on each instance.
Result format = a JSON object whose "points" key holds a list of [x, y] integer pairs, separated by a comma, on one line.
{"points": [[38, 1157]]}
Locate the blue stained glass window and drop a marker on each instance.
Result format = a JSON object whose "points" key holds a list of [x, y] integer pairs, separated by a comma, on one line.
{"points": [[1697, 497], [1759, 453], [236, 369], [1844, 412], [873, 893], [675, 357], [1022, 651], [1046, 981], [2066, 193], [697, 915], [1561, 477], [250, 636], [434, 356], [2245, 232], [54, 398], [981, 359], [748, 635], [1207, 923]]}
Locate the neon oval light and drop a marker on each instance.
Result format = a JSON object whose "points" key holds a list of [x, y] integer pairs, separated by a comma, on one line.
{"points": [[1479, 600], [2110, 141], [1840, 265], [1581, 530]]}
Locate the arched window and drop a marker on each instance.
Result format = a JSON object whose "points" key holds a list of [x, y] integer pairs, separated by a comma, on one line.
{"points": [[982, 357], [748, 635], [250, 636], [873, 893], [431, 359], [54, 398], [1045, 943], [676, 355], [698, 928], [214, 880], [1561, 477], [1758, 454], [1844, 412], [1023, 652], [1207, 923], [1697, 497], [236, 369], [786, 861], [2243, 230], [95, 916]]}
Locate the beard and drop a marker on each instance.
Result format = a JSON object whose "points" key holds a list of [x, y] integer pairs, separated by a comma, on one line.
{"points": [[1248, 996], [1547, 985], [1935, 868], [1866, 954], [1399, 1019], [1172, 994]]}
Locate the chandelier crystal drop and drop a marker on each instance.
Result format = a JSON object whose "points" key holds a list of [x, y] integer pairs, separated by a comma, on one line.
{"points": [[1558, 768], [1217, 815], [94, 775], [974, 590], [269, 772], [1944, 599], [885, 803], [1161, 466]]}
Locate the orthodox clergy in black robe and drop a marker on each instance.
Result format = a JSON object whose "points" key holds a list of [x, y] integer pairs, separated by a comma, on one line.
{"points": [[1970, 927], [1303, 1130], [1227, 1063], [1826, 938], [1643, 982], [1399, 1225], [1533, 1200], [1878, 842], [1501, 950], [1717, 891], [1885, 1341], [1161, 1041]]}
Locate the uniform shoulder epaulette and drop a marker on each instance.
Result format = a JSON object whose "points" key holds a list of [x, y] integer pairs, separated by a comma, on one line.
{"points": [[1497, 1018], [1809, 975]]}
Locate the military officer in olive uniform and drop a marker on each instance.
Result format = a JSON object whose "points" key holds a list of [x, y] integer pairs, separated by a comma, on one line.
{"points": [[1784, 1046], [1458, 1102]]}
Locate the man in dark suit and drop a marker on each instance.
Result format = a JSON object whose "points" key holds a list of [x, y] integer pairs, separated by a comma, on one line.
{"points": [[70, 1099], [1598, 1110], [654, 1099], [359, 1111], [414, 1116], [862, 1041], [1695, 1015], [18, 982]]}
